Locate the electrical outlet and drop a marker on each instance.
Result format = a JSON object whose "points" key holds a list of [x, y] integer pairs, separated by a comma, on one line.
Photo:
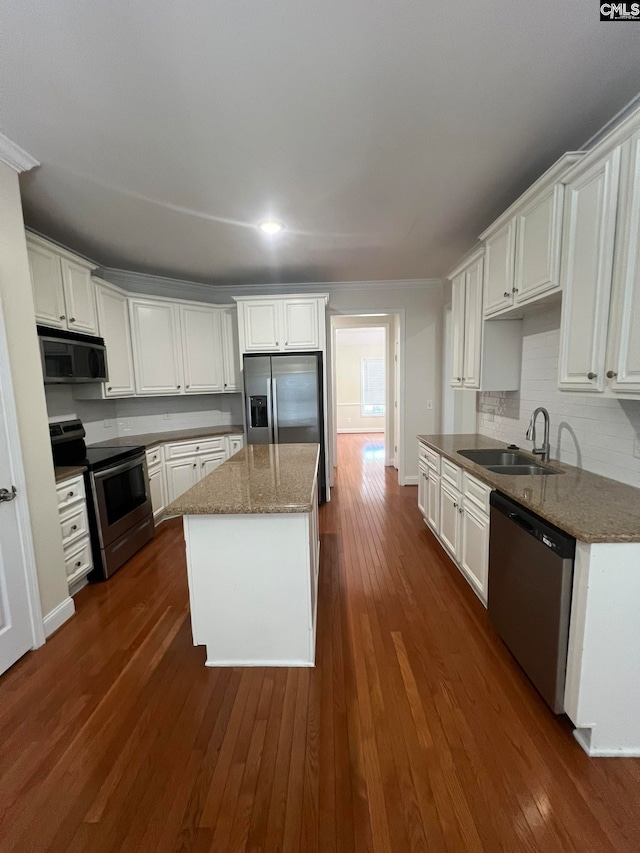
{"points": [[429, 405], [167, 416], [636, 447], [108, 423]]}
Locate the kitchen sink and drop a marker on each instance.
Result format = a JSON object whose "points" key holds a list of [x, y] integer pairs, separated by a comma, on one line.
{"points": [[519, 469], [505, 462]]}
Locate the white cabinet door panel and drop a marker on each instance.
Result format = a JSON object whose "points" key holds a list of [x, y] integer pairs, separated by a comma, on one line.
{"points": [[230, 350], [156, 347], [473, 322], [235, 443], [79, 298], [201, 349], [301, 327], [474, 549], [210, 462], [587, 265], [182, 474], [457, 328], [498, 270], [433, 502], [113, 325], [539, 226], [262, 326], [157, 491], [450, 519], [624, 329], [46, 280], [423, 480]]}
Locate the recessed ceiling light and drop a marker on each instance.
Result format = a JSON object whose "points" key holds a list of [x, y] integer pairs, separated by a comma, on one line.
{"points": [[270, 226]]}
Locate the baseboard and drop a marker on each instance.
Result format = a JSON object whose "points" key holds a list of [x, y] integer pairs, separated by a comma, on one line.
{"points": [[75, 587], [360, 429], [286, 663], [58, 616], [583, 738], [410, 480]]}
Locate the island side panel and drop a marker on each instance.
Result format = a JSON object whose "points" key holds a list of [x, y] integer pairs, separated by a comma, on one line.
{"points": [[602, 692], [250, 588]]}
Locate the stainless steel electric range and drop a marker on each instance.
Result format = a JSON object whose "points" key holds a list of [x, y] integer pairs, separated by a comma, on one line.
{"points": [[118, 501]]}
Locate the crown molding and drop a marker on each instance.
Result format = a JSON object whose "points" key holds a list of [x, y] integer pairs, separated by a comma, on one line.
{"points": [[626, 112], [157, 285], [15, 157]]}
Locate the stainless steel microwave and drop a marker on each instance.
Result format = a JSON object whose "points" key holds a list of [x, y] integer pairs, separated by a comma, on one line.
{"points": [[70, 357]]}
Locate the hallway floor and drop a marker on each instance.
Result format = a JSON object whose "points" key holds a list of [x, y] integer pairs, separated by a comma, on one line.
{"points": [[416, 730]]}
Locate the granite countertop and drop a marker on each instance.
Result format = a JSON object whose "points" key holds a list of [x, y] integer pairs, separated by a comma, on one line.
{"points": [[585, 505], [150, 439], [64, 472], [260, 478]]}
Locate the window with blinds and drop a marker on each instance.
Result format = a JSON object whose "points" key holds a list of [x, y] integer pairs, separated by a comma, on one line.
{"points": [[373, 392]]}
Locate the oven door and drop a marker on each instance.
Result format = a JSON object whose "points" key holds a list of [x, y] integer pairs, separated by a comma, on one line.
{"points": [[121, 497]]}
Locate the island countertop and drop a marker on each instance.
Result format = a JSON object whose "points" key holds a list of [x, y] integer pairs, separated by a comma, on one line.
{"points": [[259, 479], [590, 507]]}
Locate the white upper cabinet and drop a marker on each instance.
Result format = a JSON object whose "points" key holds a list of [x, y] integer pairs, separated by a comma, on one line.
{"points": [[522, 248], [473, 325], [591, 199], [458, 286], [63, 290], [623, 357], [156, 346], [281, 323], [113, 323], [230, 349], [498, 270], [201, 334]]}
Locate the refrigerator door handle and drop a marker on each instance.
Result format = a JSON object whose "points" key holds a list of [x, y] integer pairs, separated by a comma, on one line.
{"points": [[274, 407]]}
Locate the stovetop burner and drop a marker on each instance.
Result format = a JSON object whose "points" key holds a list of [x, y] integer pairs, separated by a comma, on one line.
{"points": [[69, 448]]}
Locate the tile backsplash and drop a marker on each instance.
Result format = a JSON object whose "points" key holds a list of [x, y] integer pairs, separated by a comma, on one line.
{"points": [[104, 419], [590, 431]]}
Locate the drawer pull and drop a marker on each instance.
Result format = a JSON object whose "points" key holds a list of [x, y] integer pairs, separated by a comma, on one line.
{"points": [[72, 319], [78, 564], [70, 494], [611, 374], [506, 294], [74, 526], [592, 375]]}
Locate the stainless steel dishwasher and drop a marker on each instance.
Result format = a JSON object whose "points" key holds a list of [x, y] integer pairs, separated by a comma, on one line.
{"points": [[530, 582]]}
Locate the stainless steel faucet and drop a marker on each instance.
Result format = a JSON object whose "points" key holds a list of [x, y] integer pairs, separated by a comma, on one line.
{"points": [[542, 452]]}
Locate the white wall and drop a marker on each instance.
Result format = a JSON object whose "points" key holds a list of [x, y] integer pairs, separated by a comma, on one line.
{"points": [[104, 419], [589, 431], [352, 345], [24, 354]]}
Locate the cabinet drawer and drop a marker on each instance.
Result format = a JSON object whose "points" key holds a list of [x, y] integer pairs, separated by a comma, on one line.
{"points": [[70, 492], [78, 559], [189, 448], [74, 524], [154, 456], [429, 457], [476, 492], [451, 473]]}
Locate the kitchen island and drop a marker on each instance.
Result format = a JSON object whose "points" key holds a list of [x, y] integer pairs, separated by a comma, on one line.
{"points": [[252, 546]]}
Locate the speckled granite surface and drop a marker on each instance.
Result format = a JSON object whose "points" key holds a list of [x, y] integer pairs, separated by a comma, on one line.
{"points": [[64, 472], [260, 478], [590, 507], [150, 439]]}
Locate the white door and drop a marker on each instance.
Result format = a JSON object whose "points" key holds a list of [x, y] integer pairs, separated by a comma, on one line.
{"points": [[433, 502], [181, 475], [498, 270], [623, 365], [201, 349], [539, 226], [113, 323], [156, 347], [473, 322], [16, 625], [211, 461], [457, 329], [230, 349], [450, 518], [262, 325], [474, 549], [79, 298], [46, 280], [301, 326], [587, 268], [157, 491]]}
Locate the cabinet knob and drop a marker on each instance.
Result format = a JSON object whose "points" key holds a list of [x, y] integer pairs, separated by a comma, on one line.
{"points": [[178, 387], [460, 509], [592, 375], [62, 317], [463, 378], [109, 388], [458, 378], [202, 464], [225, 384], [70, 494], [78, 564], [72, 319], [186, 386], [514, 290], [611, 374], [506, 294], [198, 447], [277, 343], [455, 504], [195, 464], [74, 526]]}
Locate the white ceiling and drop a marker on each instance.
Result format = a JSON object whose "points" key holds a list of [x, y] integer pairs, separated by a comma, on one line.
{"points": [[386, 135]]}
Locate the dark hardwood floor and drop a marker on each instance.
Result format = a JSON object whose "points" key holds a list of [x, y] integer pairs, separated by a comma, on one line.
{"points": [[416, 730]]}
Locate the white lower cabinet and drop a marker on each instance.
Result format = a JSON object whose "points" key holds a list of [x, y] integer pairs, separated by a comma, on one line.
{"points": [[211, 461], [74, 529], [234, 444], [182, 474], [456, 507], [157, 481], [187, 462]]}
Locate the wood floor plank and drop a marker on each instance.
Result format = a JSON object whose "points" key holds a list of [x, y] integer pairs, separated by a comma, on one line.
{"points": [[416, 731]]}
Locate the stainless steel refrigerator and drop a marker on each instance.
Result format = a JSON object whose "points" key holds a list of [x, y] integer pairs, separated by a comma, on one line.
{"points": [[283, 402]]}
